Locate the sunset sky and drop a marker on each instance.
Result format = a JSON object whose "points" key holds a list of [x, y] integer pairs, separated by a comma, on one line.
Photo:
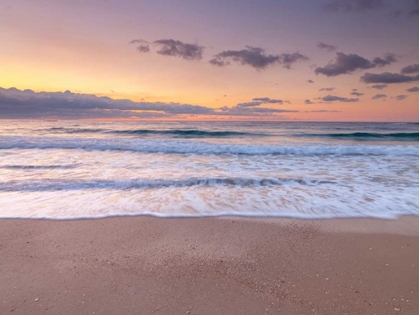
{"points": [[346, 60]]}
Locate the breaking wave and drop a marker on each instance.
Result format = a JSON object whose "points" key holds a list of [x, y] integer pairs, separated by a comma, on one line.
{"points": [[168, 146], [192, 133]]}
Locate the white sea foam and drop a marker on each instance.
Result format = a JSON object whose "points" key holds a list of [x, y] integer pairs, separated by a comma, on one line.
{"points": [[170, 146], [84, 175], [327, 201]]}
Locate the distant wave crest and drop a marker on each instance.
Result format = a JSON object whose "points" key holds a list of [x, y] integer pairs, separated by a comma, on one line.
{"points": [[168, 146], [174, 132], [53, 185], [410, 136]]}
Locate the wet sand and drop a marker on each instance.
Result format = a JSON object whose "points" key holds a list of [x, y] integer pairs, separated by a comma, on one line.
{"points": [[146, 265]]}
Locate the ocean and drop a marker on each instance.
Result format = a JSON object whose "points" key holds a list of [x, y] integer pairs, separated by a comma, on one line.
{"points": [[87, 169]]}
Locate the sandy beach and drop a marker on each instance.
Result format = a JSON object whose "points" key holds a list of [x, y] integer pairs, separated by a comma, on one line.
{"points": [[147, 265]]}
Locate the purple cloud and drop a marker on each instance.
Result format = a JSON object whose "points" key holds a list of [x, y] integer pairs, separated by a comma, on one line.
{"points": [[378, 96], [171, 47], [379, 86], [255, 57], [348, 63], [326, 46], [333, 98], [387, 78], [410, 69]]}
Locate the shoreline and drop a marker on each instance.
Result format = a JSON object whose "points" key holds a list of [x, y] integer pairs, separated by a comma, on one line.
{"points": [[401, 224], [211, 265]]}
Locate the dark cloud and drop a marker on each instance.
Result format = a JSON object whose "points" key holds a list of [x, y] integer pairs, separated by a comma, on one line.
{"points": [[413, 89], [327, 89], [139, 41], [267, 100], [249, 104], [256, 58], [356, 93], [309, 102], [378, 96], [171, 47], [253, 108], [15, 103], [326, 46], [400, 97], [322, 111], [388, 59], [387, 78], [29, 104], [410, 69], [143, 48], [348, 63], [379, 86], [333, 98], [310, 81], [253, 111], [288, 59], [354, 5], [257, 101]]}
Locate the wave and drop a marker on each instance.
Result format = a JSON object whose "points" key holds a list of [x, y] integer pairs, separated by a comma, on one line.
{"points": [[200, 148], [36, 167], [73, 130], [409, 136], [174, 132], [54, 185], [196, 133]]}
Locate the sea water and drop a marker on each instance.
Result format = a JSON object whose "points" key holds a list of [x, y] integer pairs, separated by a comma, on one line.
{"points": [[82, 169]]}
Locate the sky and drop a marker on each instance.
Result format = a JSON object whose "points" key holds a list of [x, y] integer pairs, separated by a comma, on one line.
{"points": [[328, 60]]}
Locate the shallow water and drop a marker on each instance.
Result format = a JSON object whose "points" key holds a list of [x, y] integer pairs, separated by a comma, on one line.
{"points": [[69, 169]]}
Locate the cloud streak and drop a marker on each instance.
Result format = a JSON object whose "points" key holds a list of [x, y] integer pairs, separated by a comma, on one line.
{"points": [[171, 47], [400, 97], [379, 86], [378, 96], [29, 104], [176, 48], [387, 78], [334, 98], [253, 111], [322, 111], [256, 58], [326, 46], [410, 69], [67, 105], [257, 101], [267, 100], [348, 63], [254, 108], [143, 48]]}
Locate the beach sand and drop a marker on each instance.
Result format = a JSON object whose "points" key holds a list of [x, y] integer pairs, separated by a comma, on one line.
{"points": [[148, 265]]}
